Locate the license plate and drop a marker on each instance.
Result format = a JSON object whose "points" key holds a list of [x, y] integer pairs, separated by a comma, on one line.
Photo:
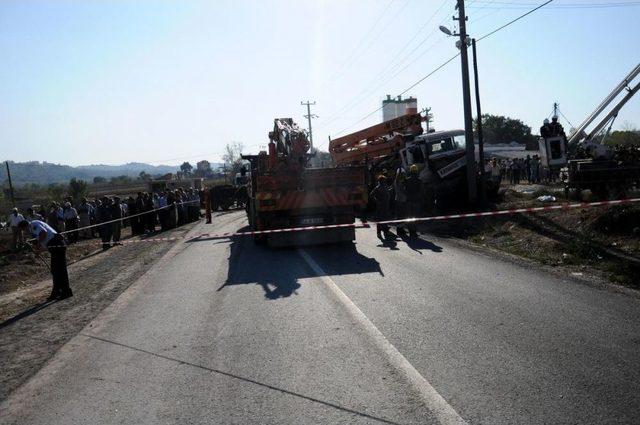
{"points": [[312, 220]]}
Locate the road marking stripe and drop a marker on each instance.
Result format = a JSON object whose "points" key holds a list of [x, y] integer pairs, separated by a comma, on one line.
{"points": [[430, 397]]}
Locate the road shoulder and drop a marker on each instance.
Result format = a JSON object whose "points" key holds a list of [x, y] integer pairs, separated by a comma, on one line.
{"points": [[36, 331]]}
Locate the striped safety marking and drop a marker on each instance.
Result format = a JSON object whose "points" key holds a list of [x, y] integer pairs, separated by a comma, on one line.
{"points": [[367, 225]]}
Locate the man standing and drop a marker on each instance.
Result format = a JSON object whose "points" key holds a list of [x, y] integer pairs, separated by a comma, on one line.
{"points": [[104, 216], [381, 195], [84, 212], [32, 215], [47, 238], [116, 214], [71, 222], [401, 200], [15, 218], [413, 192]]}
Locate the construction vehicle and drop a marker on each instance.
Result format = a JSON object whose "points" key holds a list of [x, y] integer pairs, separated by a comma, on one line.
{"points": [[608, 171], [400, 143], [224, 196], [284, 192]]}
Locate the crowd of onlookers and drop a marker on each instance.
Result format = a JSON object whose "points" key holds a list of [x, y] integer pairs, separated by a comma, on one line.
{"points": [[519, 170], [105, 217]]}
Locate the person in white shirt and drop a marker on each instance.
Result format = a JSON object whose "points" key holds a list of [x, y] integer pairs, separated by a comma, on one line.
{"points": [[71, 221], [45, 237], [14, 220]]}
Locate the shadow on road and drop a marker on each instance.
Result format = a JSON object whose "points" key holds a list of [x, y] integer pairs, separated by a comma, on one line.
{"points": [[26, 313], [247, 380], [278, 271], [420, 244]]}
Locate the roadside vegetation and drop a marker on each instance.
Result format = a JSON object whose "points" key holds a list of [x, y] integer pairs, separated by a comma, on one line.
{"points": [[598, 242]]}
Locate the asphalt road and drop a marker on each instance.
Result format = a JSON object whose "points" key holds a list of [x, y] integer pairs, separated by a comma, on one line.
{"points": [[223, 331]]}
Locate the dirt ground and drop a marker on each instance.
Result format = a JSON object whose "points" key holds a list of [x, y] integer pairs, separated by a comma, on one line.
{"points": [[32, 330], [598, 242]]}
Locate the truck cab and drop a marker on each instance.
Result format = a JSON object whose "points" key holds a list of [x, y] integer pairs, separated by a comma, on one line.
{"points": [[438, 155]]}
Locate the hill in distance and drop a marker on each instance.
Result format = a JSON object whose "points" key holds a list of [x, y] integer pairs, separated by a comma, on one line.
{"points": [[45, 172]]}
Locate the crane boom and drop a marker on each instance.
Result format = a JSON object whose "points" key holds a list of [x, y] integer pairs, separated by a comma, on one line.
{"points": [[614, 111], [579, 133], [375, 141]]}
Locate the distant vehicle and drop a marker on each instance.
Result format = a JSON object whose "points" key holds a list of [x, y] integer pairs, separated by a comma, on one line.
{"points": [[609, 172]]}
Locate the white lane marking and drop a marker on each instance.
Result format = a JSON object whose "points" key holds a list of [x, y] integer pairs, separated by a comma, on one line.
{"points": [[430, 397]]}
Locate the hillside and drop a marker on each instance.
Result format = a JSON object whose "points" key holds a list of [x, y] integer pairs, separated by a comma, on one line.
{"points": [[46, 172]]}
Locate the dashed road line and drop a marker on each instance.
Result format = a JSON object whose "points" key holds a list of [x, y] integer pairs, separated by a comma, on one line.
{"points": [[430, 397]]}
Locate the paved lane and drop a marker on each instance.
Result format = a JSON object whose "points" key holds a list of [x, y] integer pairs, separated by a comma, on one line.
{"points": [[502, 343], [227, 332], [195, 341]]}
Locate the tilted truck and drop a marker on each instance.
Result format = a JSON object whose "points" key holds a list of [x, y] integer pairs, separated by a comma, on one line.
{"points": [[285, 193], [401, 143]]}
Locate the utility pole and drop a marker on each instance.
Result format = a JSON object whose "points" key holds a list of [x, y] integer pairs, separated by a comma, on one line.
{"points": [[466, 100], [483, 175], [13, 201], [428, 117], [308, 117]]}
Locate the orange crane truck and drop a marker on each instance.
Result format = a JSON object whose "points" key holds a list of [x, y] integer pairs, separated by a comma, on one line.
{"points": [[284, 192], [400, 143]]}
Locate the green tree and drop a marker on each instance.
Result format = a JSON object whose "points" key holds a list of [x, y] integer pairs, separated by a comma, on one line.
{"points": [[144, 176], [55, 192], [99, 179], [203, 169], [628, 135], [186, 168], [78, 189], [501, 129]]}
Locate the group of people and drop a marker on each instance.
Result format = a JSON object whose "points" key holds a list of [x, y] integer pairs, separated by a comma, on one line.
{"points": [[107, 216], [552, 129], [517, 170], [399, 198]]}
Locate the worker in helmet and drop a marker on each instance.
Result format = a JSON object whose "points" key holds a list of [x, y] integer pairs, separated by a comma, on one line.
{"points": [[413, 192], [400, 197], [382, 197], [545, 130], [556, 128]]}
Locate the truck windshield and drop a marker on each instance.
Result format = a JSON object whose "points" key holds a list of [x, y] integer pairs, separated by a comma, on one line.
{"points": [[445, 144]]}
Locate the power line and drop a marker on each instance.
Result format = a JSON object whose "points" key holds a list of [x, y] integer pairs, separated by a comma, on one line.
{"points": [[354, 57], [514, 20], [514, 5], [383, 76], [449, 61]]}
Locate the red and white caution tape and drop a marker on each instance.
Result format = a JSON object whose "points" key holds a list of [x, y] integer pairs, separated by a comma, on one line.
{"points": [[207, 236], [128, 216], [512, 211]]}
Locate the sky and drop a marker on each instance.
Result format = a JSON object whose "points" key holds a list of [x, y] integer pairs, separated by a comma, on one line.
{"points": [[110, 82]]}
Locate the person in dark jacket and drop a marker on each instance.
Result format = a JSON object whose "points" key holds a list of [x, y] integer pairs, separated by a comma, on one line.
{"points": [[140, 220], [150, 216], [104, 216], [413, 191], [382, 197], [116, 226]]}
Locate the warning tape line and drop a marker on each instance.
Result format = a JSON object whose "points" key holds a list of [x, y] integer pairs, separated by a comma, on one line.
{"points": [[208, 236], [512, 211], [127, 217]]}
